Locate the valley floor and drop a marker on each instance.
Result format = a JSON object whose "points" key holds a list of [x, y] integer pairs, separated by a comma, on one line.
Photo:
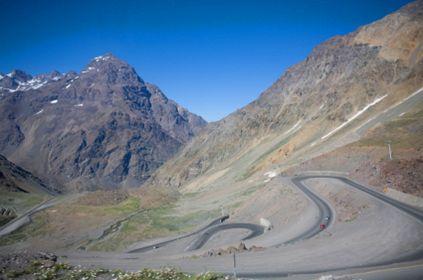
{"points": [[366, 234]]}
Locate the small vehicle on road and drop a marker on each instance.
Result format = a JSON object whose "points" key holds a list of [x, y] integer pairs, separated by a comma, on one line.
{"points": [[322, 226], [327, 218]]}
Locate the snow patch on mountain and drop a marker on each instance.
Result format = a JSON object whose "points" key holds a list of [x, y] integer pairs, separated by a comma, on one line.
{"points": [[71, 81], [271, 174], [32, 84], [38, 85], [90, 68], [295, 127], [101, 58], [377, 100]]}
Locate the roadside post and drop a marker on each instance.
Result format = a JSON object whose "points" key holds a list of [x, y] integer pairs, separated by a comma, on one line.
{"points": [[234, 265], [389, 149]]}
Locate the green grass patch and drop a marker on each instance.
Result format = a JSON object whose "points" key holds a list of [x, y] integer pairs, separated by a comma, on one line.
{"points": [[128, 206], [153, 223], [19, 201], [40, 226], [125, 207], [36, 227]]}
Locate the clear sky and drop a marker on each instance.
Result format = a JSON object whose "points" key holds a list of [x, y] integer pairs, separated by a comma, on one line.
{"points": [[212, 57]]}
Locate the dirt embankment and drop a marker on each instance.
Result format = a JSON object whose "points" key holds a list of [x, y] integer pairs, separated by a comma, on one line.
{"points": [[405, 175], [368, 161]]}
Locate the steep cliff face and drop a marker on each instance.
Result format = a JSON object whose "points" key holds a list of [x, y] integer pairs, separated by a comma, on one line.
{"points": [[102, 128], [315, 101]]}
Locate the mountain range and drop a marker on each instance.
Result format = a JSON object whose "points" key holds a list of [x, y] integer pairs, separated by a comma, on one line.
{"points": [[107, 128], [353, 106], [99, 129]]}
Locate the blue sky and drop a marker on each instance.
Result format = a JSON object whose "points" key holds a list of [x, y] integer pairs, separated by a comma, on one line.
{"points": [[212, 57]]}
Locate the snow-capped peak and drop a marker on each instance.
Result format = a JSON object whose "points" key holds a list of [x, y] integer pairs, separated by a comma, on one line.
{"points": [[102, 58], [34, 83], [24, 82]]}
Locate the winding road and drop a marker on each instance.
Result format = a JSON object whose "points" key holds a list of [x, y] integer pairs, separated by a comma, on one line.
{"points": [[416, 213], [325, 212], [163, 243], [256, 230], [324, 218], [407, 209]]}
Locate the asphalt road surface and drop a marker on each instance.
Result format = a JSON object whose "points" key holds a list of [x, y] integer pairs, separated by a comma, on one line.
{"points": [[163, 243], [256, 230], [25, 218], [325, 212], [325, 217], [415, 213]]}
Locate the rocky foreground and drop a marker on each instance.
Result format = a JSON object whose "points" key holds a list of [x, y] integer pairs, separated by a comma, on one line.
{"points": [[45, 266]]}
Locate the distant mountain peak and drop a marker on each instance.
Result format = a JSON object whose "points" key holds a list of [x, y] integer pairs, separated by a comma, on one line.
{"points": [[112, 70], [106, 57], [101, 128], [19, 75], [55, 73], [18, 80], [109, 59]]}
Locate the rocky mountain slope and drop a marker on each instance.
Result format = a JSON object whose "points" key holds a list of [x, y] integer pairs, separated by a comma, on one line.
{"points": [[19, 190], [316, 106], [102, 128], [16, 179]]}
